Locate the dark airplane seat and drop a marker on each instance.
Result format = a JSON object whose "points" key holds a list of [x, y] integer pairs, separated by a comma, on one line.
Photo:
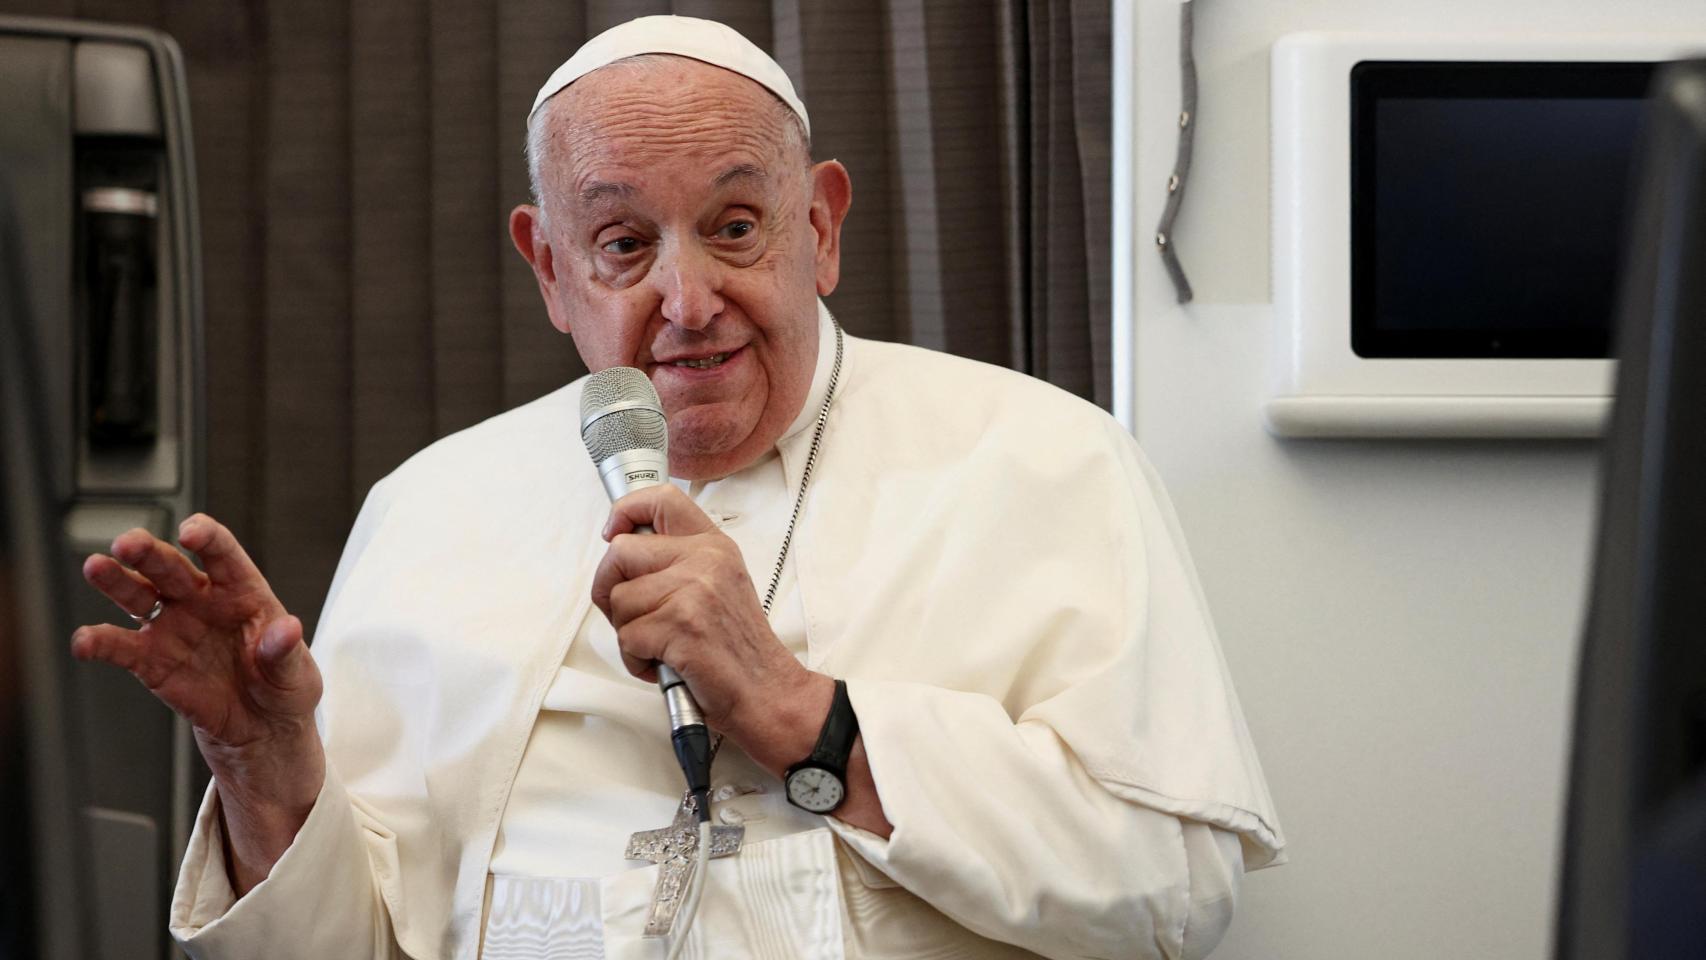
{"points": [[1634, 877], [103, 432]]}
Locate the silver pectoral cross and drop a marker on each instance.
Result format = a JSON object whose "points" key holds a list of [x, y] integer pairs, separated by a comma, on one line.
{"points": [[675, 849]]}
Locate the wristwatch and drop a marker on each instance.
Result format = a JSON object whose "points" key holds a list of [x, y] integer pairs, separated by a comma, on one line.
{"points": [[818, 783]]}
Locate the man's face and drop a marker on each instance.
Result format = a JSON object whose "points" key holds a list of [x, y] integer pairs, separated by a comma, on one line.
{"points": [[685, 235]]}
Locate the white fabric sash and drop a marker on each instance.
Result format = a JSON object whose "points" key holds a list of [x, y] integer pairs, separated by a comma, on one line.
{"points": [[775, 900]]}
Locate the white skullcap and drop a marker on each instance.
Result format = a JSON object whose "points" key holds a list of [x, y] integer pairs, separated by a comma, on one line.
{"points": [[706, 40]]}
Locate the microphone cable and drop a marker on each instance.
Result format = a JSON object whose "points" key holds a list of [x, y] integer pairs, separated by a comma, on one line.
{"points": [[695, 887]]}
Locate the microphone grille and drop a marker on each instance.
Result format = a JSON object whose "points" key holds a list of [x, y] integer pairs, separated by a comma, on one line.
{"points": [[631, 429], [614, 385], [608, 432]]}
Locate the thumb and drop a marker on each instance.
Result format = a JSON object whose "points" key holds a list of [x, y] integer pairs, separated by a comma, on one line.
{"points": [[280, 650]]}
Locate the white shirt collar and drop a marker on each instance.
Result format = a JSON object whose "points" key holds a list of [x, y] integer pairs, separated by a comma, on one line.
{"points": [[820, 375]]}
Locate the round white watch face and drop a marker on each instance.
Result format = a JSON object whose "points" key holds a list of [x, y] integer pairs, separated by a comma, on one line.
{"points": [[815, 789]]}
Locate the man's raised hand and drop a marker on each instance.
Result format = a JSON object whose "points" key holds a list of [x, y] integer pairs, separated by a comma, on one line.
{"points": [[225, 655], [223, 652]]}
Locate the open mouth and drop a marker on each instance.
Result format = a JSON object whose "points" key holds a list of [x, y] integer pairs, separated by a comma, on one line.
{"points": [[708, 363], [704, 363]]}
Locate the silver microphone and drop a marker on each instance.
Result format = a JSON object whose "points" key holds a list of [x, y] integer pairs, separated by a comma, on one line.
{"points": [[625, 432], [627, 436]]}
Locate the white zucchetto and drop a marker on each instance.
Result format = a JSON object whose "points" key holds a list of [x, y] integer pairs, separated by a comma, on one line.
{"points": [[705, 40]]}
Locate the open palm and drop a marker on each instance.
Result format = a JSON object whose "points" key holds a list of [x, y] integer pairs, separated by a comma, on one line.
{"points": [[222, 651]]}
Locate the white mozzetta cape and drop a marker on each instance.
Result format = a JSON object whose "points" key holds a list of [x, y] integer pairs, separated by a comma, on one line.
{"points": [[988, 561]]}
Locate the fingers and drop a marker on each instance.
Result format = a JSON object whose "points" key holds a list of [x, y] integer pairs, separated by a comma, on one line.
{"points": [[279, 652], [625, 601], [172, 574], [131, 591], [123, 648], [643, 645], [108, 644], [632, 599], [286, 669], [630, 557], [221, 555], [646, 670], [664, 508]]}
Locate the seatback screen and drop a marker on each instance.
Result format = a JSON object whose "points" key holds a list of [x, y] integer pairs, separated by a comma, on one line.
{"points": [[1488, 205]]}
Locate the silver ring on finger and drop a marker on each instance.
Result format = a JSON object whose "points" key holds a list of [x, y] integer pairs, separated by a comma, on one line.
{"points": [[152, 614]]}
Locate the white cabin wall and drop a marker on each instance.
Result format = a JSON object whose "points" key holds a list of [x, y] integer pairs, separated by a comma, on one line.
{"points": [[1401, 618]]}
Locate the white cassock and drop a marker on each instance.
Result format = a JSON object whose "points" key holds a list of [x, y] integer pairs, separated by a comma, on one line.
{"points": [[990, 564]]}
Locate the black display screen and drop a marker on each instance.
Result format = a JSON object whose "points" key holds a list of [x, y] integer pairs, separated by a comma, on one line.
{"points": [[1487, 205]]}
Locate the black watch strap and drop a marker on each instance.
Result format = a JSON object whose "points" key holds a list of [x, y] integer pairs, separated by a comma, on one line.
{"points": [[840, 729]]}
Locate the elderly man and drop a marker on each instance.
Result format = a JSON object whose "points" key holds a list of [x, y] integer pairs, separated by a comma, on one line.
{"points": [[979, 710]]}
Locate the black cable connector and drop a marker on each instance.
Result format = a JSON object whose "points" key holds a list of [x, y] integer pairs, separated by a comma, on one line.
{"points": [[693, 752]]}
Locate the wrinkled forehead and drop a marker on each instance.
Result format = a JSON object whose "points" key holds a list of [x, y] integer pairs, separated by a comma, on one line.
{"points": [[673, 73]]}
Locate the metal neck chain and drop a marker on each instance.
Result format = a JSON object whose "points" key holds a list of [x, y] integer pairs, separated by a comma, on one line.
{"points": [[806, 475], [800, 497]]}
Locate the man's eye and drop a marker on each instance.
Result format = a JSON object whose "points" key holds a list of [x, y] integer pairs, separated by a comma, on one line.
{"points": [[737, 230], [622, 247]]}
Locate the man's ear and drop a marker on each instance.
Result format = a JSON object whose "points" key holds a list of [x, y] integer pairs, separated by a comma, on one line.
{"points": [[832, 194], [527, 232]]}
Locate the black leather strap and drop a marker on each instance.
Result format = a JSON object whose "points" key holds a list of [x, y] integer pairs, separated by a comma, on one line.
{"points": [[840, 729]]}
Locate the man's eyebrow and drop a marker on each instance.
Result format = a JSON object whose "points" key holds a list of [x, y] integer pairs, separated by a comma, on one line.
{"points": [[599, 189], [741, 171]]}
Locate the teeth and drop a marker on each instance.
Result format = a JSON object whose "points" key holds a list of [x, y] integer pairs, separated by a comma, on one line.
{"points": [[704, 364]]}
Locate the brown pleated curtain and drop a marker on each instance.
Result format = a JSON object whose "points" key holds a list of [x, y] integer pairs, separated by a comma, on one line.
{"points": [[357, 160]]}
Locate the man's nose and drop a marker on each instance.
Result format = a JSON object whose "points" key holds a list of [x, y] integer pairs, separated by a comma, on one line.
{"points": [[690, 283]]}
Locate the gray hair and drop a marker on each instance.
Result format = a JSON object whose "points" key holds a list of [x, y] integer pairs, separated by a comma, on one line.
{"points": [[794, 132]]}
